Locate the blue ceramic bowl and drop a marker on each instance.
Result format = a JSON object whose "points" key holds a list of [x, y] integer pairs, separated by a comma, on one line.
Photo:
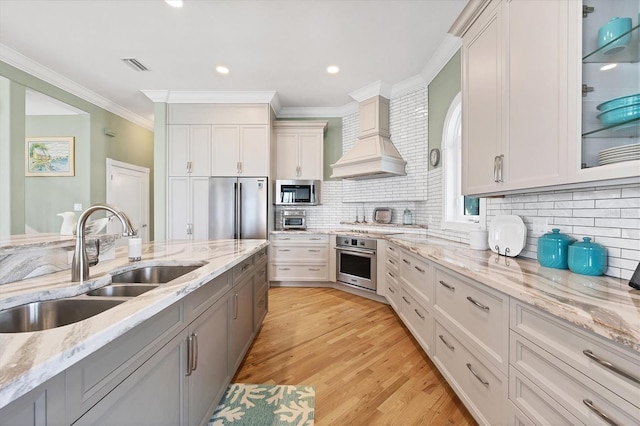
{"points": [[620, 115], [587, 258], [619, 102], [553, 249], [609, 35]]}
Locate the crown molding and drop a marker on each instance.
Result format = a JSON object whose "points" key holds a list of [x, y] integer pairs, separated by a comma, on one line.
{"points": [[448, 47], [210, 97], [468, 15], [408, 86], [318, 112], [21, 62], [378, 88]]}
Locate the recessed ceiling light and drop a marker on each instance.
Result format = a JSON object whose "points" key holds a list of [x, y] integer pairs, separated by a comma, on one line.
{"points": [[608, 67], [333, 69], [174, 3], [222, 69]]}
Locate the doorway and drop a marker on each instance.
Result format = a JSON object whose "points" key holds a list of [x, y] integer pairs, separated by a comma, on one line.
{"points": [[128, 190]]}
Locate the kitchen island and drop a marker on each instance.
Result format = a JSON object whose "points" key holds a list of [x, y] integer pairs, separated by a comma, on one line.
{"points": [[28, 360]]}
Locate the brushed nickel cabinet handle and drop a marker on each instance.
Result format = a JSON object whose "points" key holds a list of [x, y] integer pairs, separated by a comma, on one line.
{"points": [[391, 275], [500, 167], [418, 313], [420, 270], [189, 350], [608, 365], [392, 249], [480, 379], [598, 412], [405, 299], [450, 287], [478, 304], [284, 269], [245, 267], [451, 347], [284, 249], [391, 290], [235, 306], [315, 239], [406, 261], [195, 352], [391, 261], [313, 269], [495, 169], [313, 251]]}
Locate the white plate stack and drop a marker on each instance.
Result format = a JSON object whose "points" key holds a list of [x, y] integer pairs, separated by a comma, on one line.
{"points": [[618, 154]]}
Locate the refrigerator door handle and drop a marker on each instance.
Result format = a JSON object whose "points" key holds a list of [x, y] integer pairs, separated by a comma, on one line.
{"points": [[235, 210], [240, 213]]}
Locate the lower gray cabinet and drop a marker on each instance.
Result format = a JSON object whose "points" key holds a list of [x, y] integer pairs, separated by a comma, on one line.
{"points": [[240, 323], [151, 395], [42, 406]]}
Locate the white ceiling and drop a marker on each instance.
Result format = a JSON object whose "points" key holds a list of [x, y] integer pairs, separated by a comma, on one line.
{"points": [[269, 45]]}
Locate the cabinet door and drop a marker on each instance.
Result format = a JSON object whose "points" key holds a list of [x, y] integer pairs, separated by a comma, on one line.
{"points": [[254, 150], [482, 103], [178, 208], [44, 405], [199, 196], [152, 395], [311, 156], [225, 147], [209, 380], [200, 150], [241, 324], [537, 93], [287, 157], [178, 150]]}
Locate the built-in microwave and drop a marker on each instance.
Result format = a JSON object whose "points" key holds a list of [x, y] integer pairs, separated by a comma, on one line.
{"points": [[297, 192]]}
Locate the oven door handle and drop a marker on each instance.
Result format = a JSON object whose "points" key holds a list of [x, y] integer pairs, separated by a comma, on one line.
{"points": [[356, 252]]}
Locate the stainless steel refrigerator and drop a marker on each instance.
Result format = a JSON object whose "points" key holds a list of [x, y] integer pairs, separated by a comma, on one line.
{"points": [[238, 208]]}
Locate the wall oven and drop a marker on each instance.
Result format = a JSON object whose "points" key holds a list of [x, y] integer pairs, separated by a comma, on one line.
{"points": [[356, 262]]}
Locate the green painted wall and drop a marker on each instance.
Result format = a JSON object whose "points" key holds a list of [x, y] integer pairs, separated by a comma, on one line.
{"points": [[442, 89], [332, 142], [132, 144]]}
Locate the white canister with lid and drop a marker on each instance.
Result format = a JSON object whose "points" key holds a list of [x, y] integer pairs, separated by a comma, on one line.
{"points": [[479, 239]]}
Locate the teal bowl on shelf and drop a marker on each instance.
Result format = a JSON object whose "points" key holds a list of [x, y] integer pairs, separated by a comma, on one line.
{"points": [[620, 115], [610, 35], [553, 249], [619, 102], [587, 258]]}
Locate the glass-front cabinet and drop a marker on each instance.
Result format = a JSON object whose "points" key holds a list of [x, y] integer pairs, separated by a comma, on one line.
{"points": [[610, 143]]}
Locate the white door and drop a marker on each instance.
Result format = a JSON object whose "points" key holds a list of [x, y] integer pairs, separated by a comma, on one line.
{"points": [[128, 190]]}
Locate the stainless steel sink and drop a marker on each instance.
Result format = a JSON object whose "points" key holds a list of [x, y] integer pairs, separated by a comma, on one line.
{"points": [[48, 314], [122, 290], [152, 274]]}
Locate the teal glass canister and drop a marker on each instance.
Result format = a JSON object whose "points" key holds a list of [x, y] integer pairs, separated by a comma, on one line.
{"points": [[587, 258], [553, 249]]}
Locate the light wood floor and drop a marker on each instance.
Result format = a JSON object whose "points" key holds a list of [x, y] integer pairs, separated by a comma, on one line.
{"points": [[365, 366]]}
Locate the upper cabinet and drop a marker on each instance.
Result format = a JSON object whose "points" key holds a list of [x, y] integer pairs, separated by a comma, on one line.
{"points": [[531, 86], [240, 150], [299, 149], [189, 150], [514, 102], [609, 55]]}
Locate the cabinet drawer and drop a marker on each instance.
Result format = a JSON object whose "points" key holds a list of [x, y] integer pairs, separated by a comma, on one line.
{"points": [[301, 254], [261, 256], [392, 264], [261, 276], [242, 269], [480, 312], [535, 403], [571, 344], [392, 293], [417, 319], [289, 272], [201, 299], [418, 274], [393, 251], [279, 239], [569, 388], [479, 385]]}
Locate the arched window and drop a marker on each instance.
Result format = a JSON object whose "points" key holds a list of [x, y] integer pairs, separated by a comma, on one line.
{"points": [[460, 212]]}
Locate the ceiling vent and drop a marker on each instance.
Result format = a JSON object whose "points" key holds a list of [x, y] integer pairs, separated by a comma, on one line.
{"points": [[135, 64], [374, 155]]}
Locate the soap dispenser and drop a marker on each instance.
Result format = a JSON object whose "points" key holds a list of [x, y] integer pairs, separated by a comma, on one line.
{"points": [[407, 217]]}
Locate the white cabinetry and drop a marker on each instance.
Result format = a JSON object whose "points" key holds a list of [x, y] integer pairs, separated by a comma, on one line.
{"points": [[515, 104], [299, 149], [240, 150], [189, 150], [299, 257]]}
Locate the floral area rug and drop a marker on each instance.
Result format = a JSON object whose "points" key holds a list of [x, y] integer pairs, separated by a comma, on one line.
{"points": [[273, 405]]}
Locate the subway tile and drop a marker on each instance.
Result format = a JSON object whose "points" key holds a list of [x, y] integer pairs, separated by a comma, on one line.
{"points": [[618, 203], [609, 213], [597, 194], [601, 232], [563, 196], [582, 204], [618, 223], [630, 254]]}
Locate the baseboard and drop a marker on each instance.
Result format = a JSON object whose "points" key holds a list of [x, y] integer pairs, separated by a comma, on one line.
{"points": [[327, 284]]}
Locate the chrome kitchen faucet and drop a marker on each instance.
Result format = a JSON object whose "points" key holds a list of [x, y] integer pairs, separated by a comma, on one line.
{"points": [[80, 264]]}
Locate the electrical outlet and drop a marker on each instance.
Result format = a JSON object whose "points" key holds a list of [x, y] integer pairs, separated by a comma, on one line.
{"points": [[77, 207]]}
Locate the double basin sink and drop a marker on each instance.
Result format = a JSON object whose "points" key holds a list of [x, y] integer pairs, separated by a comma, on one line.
{"points": [[48, 314]]}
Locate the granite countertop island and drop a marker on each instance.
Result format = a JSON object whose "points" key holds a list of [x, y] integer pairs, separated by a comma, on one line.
{"points": [[602, 305], [30, 359]]}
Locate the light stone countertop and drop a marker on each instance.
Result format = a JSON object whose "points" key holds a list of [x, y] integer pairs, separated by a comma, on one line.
{"points": [[603, 305], [30, 359]]}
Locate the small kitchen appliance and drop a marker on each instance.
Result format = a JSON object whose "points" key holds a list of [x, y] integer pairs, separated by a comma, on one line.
{"points": [[294, 219], [297, 192]]}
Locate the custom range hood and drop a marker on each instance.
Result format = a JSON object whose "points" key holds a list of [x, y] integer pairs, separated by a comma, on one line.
{"points": [[374, 155]]}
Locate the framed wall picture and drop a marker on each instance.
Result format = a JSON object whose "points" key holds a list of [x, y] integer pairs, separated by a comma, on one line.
{"points": [[50, 156]]}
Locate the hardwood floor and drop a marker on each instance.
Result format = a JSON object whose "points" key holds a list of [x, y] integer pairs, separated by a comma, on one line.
{"points": [[365, 366]]}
